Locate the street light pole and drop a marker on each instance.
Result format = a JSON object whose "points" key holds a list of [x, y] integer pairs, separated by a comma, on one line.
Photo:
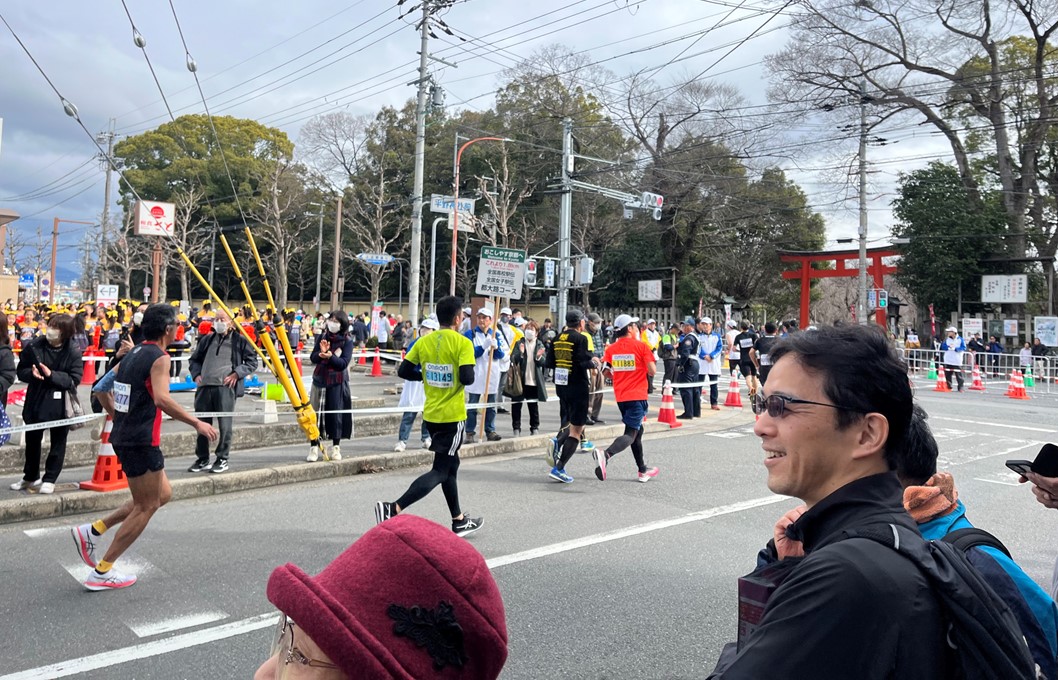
{"points": [[455, 205], [862, 316], [55, 251], [433, 258], [319, 262]]}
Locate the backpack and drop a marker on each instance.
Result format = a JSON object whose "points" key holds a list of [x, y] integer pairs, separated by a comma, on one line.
{"points": [[972, 537], [983, 633]]}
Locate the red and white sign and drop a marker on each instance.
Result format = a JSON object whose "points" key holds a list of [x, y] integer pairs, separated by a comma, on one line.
{"points": [[154, 218]]}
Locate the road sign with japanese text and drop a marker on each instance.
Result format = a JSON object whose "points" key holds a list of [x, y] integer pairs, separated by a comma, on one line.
{"points": [[501, 272]]}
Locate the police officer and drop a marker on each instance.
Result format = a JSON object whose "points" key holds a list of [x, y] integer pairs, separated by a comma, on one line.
{"points": [[687, 371]]}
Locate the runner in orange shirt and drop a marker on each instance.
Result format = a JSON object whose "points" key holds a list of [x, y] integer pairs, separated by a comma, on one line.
{"points": [[629, 363]]}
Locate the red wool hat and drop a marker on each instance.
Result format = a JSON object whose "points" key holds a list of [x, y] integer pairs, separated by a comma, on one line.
{"points": [[409, 599]]}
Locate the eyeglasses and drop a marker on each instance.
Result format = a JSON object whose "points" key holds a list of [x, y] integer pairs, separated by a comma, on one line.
{"points": [[283, 645], [775, 405]]}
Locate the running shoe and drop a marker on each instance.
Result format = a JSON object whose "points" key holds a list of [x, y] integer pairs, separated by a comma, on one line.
{"points": [[384, 511], [219, 465], [587, 446], [648, 474], [86, 545], [199, 466], [20, 486], [600, 464], [336, 452], [427, 442], [112, 580], [314, 454], [467, 525], [46, 488], [560, 476], [553, 452], [400, 446]]}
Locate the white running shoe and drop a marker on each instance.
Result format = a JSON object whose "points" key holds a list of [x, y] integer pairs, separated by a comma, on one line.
{"points": [[426, 443], [112, 580], [46, 488], [314, 454], [20, 486], [336, 452], [400, 446], [86, 546]]}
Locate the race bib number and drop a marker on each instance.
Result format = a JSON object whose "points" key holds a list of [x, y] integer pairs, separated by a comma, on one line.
{"points": [[439, 375], [561, 376], [623, 362], [765, 360], [745, 343], [122, 394]]}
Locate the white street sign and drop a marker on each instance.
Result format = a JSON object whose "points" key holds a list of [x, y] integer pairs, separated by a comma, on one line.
{"points": [[154, 218], [650, 291], [501, 272], [445, 204], [549, 273], [106, 294], [378, 259], [466, 221]]}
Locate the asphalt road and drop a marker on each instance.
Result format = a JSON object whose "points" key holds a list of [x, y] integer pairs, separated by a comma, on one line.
{"points": [[600, 580]]}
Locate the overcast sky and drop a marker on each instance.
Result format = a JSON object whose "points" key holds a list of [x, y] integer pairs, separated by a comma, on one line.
{"points": [[283, 62]]}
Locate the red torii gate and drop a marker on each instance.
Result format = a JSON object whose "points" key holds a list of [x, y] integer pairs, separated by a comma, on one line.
{"points": [[805, 273]]}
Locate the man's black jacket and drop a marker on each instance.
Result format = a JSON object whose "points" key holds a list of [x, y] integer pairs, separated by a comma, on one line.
{"points": [[851, 608]]}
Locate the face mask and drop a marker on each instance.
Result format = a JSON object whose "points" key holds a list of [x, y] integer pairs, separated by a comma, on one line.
{"points": [[52, 335], [220, 327], [530, 335], [334, 326], [137, 318]]}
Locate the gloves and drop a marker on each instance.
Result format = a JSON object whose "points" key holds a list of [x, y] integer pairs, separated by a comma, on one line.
{"points": [[488, 341]]}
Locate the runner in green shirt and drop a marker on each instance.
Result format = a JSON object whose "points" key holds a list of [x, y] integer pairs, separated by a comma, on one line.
{"points": [[444, 362]]}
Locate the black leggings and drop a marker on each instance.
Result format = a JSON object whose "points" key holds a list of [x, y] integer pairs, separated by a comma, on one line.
{"points": [[633, 438], [443, 472]]}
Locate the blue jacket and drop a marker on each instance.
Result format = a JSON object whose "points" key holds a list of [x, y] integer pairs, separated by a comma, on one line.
{"points": [[472, 334], [1035, 610]]}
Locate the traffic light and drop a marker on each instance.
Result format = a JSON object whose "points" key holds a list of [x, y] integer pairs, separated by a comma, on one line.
{"points": [[883, 298], [585, 271], [530, 272], [653, 203]]}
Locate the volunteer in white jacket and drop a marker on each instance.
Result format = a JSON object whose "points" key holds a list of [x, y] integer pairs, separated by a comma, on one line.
{"points": [[709, 359], [413, 396], [486, 344], [953, 347]]}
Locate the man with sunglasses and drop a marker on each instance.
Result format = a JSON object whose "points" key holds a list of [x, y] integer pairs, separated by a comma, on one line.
{"points": [[833, 422]]}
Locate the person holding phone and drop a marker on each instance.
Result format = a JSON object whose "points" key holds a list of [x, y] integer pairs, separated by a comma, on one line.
{"points": [[51, 366], [1043, 475], [330, 384]]}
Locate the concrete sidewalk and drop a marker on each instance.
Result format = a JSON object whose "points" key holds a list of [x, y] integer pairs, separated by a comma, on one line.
{"points": [[369, 451]]}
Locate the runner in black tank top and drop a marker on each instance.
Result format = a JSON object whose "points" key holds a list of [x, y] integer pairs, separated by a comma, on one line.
{"points": [[141, 394]]}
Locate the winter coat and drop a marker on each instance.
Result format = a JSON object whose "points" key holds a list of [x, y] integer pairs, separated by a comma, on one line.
{"points": [[45, 399], [520, 361]]}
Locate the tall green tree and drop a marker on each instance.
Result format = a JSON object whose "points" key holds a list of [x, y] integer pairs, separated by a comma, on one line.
{"points": [[949, 235]]}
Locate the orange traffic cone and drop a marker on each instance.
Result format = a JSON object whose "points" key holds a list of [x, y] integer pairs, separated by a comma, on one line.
{"points": [[734, 395], [108, 475], [667, 414], [376, 366], [1010, 385], [1019, 387], [362, 361], [977, 383], [89, 375], [942, 384]]}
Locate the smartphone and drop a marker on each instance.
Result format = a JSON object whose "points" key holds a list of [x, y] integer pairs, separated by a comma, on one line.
{"points": [[1022, 467], [1046, 462]]}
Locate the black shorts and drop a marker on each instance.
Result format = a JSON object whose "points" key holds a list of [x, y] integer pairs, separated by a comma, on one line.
{"points": [[446, 437], [574, 405], [747, 368], [137, 461]]}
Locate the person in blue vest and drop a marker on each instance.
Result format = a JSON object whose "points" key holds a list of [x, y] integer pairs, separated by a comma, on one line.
{"points": [[712, 346], [954, 347]]}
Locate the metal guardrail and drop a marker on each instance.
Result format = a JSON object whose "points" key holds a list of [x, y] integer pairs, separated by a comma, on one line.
{"points": [[992, 366]]}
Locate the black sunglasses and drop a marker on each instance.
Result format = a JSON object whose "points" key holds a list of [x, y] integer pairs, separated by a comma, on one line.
{"points": [[775, 405]]}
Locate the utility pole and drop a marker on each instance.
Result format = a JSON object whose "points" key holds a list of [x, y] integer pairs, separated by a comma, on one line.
{"points": [[337, 256], [108, 137], [862, 311], [420, 160], [319, 262], [565, 220]]}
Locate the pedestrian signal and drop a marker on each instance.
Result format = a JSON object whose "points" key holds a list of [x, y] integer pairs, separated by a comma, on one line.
{"points": [[883, 298], [530, 272]]}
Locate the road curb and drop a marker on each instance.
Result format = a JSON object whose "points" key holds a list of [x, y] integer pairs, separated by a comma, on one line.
{"points": [[26, 507]]}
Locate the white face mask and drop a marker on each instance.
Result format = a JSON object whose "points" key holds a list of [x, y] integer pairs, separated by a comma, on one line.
{"points": [[220, 327], [334, 326], [530, 335], [52, 335], [137, 318]]}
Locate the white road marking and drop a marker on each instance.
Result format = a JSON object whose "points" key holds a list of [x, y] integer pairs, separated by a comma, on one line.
{"points": [[47, 531], [1005, 478], [204, 636], [145, 650], [944, 461], [175, 623], [606, 536], [728, 434], [990, 424]]}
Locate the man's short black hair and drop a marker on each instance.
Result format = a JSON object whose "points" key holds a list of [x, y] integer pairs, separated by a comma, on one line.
{"points": [[919, 461], [744, 325], [156, 319], [449, 310], [769, 327], [860, 372]]}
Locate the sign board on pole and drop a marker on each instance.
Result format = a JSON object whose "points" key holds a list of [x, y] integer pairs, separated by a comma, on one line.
{"points": [[549, 273], [466, 221], [45, 282], [445, 204], [1010, 328], [146, 292], [154, 218], [650, 291], [26, 280], [106, 294], [552, 304], [44, 293], [1046, 329], [375, 258], [872, 298], [501, 272], [999, 289], [971, 326]]}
